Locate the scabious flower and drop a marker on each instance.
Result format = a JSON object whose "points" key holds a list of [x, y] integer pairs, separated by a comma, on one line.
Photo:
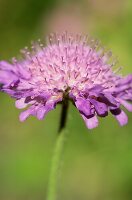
{"points": [[74, 68]]}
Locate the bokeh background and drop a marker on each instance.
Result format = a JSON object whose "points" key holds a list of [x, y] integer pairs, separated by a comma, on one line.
{"points": [[97, 164]]}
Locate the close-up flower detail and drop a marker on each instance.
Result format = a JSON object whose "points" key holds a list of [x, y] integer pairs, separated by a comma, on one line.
{"points": [[70, 68]]}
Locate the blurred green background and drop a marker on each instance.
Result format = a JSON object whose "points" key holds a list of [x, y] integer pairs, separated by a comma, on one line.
{"points": [[97, 164]]}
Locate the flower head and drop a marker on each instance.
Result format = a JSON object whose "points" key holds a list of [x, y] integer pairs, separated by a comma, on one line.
{"points": [[69, 67]]}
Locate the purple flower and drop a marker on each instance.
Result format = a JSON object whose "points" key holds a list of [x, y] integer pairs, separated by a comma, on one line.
{"points": [[69, 67]]}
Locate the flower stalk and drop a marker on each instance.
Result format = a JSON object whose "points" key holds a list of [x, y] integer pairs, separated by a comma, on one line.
{"points": [[57, 155], [64, 112]]}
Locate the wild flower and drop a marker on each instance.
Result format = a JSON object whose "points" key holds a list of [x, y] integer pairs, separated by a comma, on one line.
{"points": [[72, 69]]}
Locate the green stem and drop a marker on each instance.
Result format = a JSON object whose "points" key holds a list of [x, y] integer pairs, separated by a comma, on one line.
{"points": [[57, 156], [63, 117], [55, 167]]}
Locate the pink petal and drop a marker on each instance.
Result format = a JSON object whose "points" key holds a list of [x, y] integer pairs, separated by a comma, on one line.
{"points": [[91, 122], [122, 118], [41, 113], [43, 110], [127, 105], [20, 103], [24, 115], [83, 106], [6, 66]]}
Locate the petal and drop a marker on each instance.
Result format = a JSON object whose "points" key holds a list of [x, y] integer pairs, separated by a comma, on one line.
{"points": [[127, 105], [24, 115], [6, 66], [125, 80], [20, 103], [83, 106], [111, 99], [43, 110], [101, 108], [7, 77], [124, 84], [121, 117], [24, 73], [91, 122], [7, 73], [96, 90]]}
